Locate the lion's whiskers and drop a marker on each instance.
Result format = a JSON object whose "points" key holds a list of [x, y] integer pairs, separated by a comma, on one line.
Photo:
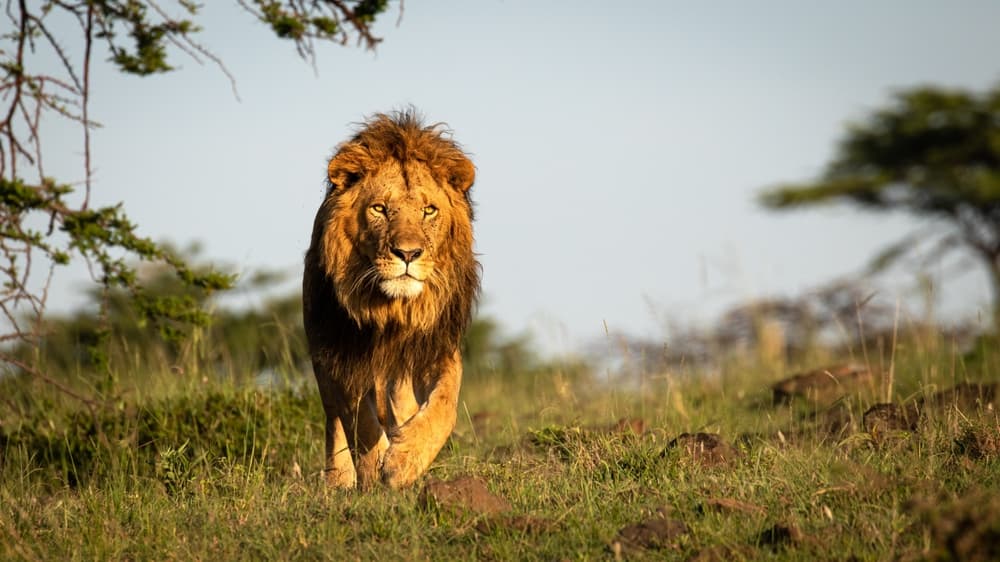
{"points": [[368, 278]]}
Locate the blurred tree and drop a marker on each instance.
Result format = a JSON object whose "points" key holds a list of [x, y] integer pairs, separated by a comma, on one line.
{"points": [[45, 223], [242, 342], [238, 341], [933, 153], [109, 326], [486, 351]]}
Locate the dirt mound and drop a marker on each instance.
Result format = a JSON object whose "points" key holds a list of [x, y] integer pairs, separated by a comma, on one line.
{"points": [[655, 533], [821, 385], [707, 449], [781, 535], [963, 528], [979, 442], [967, 397], [462, 494], [882, 418]]}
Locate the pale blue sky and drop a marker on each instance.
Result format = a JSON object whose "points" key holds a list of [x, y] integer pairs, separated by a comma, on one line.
{"points": [[619, 146]]}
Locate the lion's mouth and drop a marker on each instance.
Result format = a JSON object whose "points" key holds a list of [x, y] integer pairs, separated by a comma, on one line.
{"points": [[404, 286]]}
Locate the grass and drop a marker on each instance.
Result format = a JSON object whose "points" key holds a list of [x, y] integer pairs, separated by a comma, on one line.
{"points": [[187, 467]]}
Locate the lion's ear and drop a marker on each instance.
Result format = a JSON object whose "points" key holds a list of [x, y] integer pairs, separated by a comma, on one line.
{"points": [[346, 167], [462, 174]]}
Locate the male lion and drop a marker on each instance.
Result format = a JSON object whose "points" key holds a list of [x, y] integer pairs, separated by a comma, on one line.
{"points": [[389, 285]]}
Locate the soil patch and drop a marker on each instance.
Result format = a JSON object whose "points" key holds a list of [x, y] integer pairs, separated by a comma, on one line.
{"points": [[821, 385], [967, 397], [707, 449], [651, 534], [882, 418], [781, 535], [462, 494], [979, 442], [964, 528]]}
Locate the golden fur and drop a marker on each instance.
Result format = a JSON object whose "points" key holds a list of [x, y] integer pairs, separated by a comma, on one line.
{"points": [[388, 289]]}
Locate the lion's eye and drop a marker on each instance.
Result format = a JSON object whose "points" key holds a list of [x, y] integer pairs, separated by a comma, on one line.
{"points": [[430, 211], [378, 208]]}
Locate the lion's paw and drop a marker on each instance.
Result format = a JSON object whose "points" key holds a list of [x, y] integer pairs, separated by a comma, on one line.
{"points": [[402, 466], [340, 479]]}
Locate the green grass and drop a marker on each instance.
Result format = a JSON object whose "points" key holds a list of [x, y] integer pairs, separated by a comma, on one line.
{"points": [[183, 467]]}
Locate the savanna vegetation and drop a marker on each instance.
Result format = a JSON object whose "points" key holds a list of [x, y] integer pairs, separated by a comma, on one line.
{"points": [[159, 423], [213, 448]]}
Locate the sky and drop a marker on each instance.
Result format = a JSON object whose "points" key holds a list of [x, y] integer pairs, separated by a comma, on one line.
{"points": [[620, 147]]}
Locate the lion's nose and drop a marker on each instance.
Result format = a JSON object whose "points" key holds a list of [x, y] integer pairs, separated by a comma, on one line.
{"points": [[407, 255]]}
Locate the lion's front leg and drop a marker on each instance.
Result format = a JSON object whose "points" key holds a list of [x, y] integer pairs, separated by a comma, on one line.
{"points": [[403, 401], [415, 444], [339, 467], [366, 440], [355, 441]]}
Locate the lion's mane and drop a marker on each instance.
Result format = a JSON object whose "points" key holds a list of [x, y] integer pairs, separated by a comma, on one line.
{"points": [[355, 331]]}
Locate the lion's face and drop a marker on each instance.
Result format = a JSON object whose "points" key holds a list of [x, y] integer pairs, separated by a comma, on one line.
{"points": [[397, 230], [404, 215]]}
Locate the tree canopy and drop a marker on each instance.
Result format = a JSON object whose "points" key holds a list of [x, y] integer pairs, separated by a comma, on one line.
{"points": [[933, 153], [48, 222]]}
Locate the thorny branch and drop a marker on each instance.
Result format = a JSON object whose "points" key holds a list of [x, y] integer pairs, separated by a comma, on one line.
{"points": [[45, 224], [42, 224]]}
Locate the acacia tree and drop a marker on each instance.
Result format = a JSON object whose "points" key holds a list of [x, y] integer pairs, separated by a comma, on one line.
{"points": [[46, 222], [933, 153]]}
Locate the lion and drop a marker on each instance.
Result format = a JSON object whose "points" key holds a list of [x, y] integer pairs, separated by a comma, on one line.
{"points": [[388, 290]]}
